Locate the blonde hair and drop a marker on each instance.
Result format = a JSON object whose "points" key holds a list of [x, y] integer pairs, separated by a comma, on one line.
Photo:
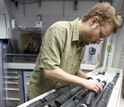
{"points": [[106, 14]]}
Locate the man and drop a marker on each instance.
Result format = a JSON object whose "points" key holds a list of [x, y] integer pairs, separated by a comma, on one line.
{"points": [[63, 49]]}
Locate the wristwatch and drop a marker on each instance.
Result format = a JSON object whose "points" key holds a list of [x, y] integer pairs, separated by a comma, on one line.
{"points": [[89, 78]]}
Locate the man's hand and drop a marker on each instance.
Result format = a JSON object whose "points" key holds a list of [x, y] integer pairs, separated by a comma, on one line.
{"points": [[93, 85]]}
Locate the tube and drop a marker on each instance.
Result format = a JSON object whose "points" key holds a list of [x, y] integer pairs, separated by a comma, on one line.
{"points": [[45, 100], [106, 96], [77, 98], [66, 96]]}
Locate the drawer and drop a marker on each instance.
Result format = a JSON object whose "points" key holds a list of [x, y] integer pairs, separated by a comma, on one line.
{"points": [[27, 76], [13, 102], [12, 72], [16, 93], [15, 98]]}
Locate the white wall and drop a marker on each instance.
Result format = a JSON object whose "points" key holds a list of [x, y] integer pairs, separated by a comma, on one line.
{"points": [[51, 12]]}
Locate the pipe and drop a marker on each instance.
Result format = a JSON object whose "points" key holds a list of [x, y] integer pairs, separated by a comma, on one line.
{"points": [[58, 92], [76, 99], [66, 96]]}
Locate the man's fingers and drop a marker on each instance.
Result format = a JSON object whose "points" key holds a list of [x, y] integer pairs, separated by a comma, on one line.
{"points": [[96, 90], [99, 86], [95, 85]]}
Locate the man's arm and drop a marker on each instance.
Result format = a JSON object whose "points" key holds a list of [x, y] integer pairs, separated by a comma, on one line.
{"points": [[81, 74], [61, 76]]}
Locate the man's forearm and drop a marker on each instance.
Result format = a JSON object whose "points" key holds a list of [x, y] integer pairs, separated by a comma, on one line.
{"points": [[61, 76], [81, 74]]}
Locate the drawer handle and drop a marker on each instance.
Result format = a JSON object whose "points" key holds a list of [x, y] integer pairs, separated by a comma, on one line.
{"points": [[9, 72], [27, 84], [12, 89], [11, 77], [28, 76], [13, 99], [12, 83]]}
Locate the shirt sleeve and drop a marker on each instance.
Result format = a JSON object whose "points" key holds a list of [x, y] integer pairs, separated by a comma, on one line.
{"points": [[51, 49]]}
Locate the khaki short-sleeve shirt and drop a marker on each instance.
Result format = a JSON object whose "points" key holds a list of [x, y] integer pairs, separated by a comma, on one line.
{"points": [[60, 49]]}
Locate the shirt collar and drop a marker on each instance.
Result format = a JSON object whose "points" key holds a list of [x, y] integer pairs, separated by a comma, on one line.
{"points": [[75, 36]]}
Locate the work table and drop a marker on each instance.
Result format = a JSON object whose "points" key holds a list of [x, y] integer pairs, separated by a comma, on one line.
{"points": [[116, 93]]}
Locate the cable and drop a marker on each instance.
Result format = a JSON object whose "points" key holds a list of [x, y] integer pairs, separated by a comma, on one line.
{"points": [[120, 60], [109, 48]]}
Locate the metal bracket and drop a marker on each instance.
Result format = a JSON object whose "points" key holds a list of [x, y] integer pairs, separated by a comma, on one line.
{"points": [[75, 4]]}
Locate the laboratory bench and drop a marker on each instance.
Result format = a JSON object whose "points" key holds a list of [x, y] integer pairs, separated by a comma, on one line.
{"points": [[114, 100]]}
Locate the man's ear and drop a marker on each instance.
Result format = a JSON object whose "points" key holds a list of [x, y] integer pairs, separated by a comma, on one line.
{"points": [[94, 20]]}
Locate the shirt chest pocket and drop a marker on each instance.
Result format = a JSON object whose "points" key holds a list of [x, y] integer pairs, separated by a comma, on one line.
{"points": [[78, 59], [76, 64]]}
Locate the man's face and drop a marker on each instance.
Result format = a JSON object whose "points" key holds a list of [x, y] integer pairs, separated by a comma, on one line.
{"points": [[98, 33]]}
